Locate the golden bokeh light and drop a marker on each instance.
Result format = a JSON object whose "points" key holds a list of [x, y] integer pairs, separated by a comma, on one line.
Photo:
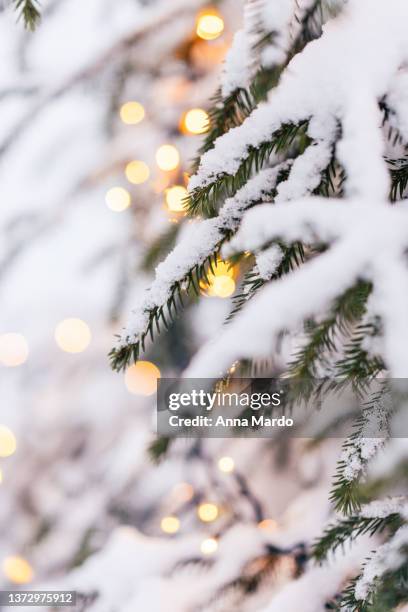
{"points": [[18, 570], [137, 172], [118, 199], [132, 112], [268, 525], [195, 121], [8, 443], [222, 286], [72, 335], [170, 524], [13, 350], [210, 24], [167, 157], [175, 197], [209, 546], [141, 378], [207, 512], [221, 281], [226, 465]]}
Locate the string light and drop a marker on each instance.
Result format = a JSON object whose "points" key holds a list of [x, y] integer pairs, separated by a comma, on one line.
{"points": [[132, 113], [137, 172], [195, 121], [268, 525], [72, 335], [118, 199], [167, 157], [207, 512], [209, 546], [221, 281], [13, 350], [18, 570], [8, 443], [226, 465], [170, 524], [175, 198], [210, 24], [141, 378]]}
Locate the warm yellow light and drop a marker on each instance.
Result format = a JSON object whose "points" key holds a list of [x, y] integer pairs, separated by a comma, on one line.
{"points": [[183, 492], [222, 286], [141, 378], [132, 113], [207, 512], [210, 25], [13, 350], [1, 476], [137, 172], [209, 546], [8, 443], [195, 121], [118, 199], [167, 157], [72, 335], [175, 197], [18, 570], [268, 525], [226, 465], [170, 524]]}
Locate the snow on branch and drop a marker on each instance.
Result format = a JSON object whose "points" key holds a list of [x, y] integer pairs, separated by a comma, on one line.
{"points": [[344, 225]]}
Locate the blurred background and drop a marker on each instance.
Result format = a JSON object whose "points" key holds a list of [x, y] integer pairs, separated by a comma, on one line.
{"points": [[102, 110]]}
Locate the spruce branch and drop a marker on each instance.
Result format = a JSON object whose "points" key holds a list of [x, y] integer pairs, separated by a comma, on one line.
{"points": [[29, 12], [349, 529]]}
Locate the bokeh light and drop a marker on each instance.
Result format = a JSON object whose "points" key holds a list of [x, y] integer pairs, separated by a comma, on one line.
{"points": [[175, 197], [13, 350], [170, 524], [18, 570], [207, 512], [221, 281], [226, 465], [132, 113], [72, 335], [8, 443], [141, 378], [210, 24], [118, 199], [137, 172], [268, 525], [195, 121], [167, 157], [209, 546]]}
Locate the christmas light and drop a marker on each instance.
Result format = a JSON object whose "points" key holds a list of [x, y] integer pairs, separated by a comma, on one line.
{"points": [[13, 350], [8, 443], [175, 197], [170, 524], [222, 286], [226, 465], [137, 172], [72, 335], [268, 525], [18, 570], [210, 24], [207, 512], [141, 378], [132, 113], [118, 199], [209, 546], [167, 157], [195, 121]]}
